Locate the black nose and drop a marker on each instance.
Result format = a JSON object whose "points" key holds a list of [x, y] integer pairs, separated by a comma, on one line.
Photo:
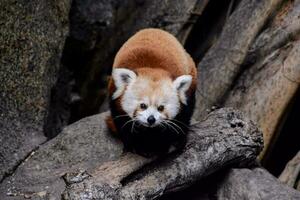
{"points": [[151, 119]]}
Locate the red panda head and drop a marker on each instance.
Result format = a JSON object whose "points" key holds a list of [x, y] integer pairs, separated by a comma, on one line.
{"points": [[150, 96]]}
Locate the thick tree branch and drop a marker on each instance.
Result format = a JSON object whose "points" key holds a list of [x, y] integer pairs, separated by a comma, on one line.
{"points": [[224, 138]]}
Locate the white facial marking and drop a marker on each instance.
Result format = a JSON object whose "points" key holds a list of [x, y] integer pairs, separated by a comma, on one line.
{"points": [[182, 84], [151, 111], [130, 100], [152, 94], [122, 77]]}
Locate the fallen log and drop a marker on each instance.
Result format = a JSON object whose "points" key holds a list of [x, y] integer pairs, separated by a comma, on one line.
{"points": [[224, 138]]}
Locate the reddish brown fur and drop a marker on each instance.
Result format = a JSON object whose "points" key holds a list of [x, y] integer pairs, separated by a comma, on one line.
{"points": [[110, 125], [156, 54]]}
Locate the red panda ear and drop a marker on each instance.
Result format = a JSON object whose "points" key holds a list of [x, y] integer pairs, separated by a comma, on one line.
{"points": [[182, 84], [122, 77]]}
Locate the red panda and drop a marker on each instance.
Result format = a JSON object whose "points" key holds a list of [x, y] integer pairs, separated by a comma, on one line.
{"points": [[152, 92]]}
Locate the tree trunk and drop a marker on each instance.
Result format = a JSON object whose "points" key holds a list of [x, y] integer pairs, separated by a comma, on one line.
{"points": [[225, 57], [264, 90]]}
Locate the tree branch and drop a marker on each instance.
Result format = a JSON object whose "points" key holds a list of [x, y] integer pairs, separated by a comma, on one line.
{"points": [[224, 138]]}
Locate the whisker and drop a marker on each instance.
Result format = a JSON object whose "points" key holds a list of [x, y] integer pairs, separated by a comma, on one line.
{"points": [[132, 127], [179, 122], [176, 126], [163, 125], [128, 122], [171, 126], [121, 116]]}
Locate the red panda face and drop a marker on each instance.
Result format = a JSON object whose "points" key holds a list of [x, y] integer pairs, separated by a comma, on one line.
{"points": [[150, 102]]}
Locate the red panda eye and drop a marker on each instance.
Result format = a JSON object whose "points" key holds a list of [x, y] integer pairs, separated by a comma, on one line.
{"points": [[143, 106], [160, 108]]}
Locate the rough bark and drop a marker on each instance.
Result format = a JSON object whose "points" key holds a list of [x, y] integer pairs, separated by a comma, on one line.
{"points": [[253, 184], [291, 172], [224, 138], [32, 35], [283, 28], [221, 64], [265, 89], [95, 36]]}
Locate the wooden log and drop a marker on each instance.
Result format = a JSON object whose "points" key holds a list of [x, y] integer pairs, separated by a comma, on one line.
{"points": [[224, 138], [222, 63]]}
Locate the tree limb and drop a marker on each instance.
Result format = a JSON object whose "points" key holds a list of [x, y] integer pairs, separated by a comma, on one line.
{"points": [[224, 138]]}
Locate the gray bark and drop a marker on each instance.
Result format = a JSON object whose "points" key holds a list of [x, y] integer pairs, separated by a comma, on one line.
{"points": [[32, 35], [225, 57], [264, 90], [224, 138]]}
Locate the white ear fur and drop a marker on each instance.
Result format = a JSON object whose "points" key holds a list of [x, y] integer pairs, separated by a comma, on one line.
{"points": [[122, 77], [182, 84]]}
